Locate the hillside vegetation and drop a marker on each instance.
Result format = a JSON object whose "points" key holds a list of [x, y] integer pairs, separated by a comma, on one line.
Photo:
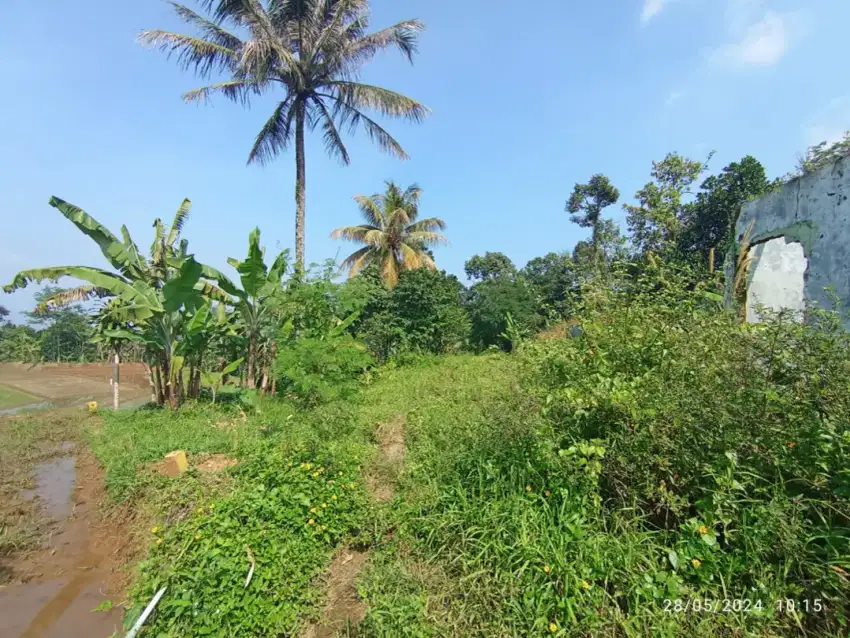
{"points": [[595, 485]]}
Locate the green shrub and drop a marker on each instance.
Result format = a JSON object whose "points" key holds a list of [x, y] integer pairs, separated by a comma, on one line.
{"points": [[730, 439], [318, 370], [422, 313], [286, 514]]}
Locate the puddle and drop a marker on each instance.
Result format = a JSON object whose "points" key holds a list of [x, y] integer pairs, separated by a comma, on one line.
{"points": [[54, 484], [26, 408]]}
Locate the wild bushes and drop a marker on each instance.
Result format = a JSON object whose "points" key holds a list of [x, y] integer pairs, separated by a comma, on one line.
{"points": [[730, 440]]}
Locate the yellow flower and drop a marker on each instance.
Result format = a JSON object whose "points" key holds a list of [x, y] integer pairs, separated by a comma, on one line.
{"points": [[553, 627], [308, 465], [159, 541], [315, 474], [310, 522], [547, 569], [333, 497], [585, 584], [313, 510], [339, 473], [703, 529], [212, 507], [696, 562], [154, 530], [324, 527], [324, 505], [197, 536], [352, 486], [527, 488]]}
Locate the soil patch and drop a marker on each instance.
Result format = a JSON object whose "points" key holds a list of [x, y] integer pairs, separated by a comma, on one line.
{"points": [[55, 587], [383, 475], [344, 610], [211, 463]]}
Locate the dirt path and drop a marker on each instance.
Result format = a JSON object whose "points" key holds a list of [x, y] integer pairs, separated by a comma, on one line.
{"points": [[53, 590], [344, 610]]}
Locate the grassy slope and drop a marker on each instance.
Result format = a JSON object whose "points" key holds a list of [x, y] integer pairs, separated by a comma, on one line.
{"points": [[12, 398]]}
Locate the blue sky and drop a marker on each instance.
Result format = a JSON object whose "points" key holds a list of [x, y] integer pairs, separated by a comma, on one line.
{"points": [[525, 102]]}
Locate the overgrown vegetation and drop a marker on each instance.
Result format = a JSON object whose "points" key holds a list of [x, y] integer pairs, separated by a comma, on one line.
{"points": [[592, 444]]}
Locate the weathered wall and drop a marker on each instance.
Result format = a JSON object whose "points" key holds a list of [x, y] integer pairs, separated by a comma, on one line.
{"points": [[812, 213]]}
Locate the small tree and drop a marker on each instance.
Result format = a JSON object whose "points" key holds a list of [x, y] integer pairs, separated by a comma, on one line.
{"points": [[586, 205]]}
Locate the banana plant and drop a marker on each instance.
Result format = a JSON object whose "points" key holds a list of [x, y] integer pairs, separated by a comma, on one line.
{"points": [[259, 283], [155, 293], [214, 380]]}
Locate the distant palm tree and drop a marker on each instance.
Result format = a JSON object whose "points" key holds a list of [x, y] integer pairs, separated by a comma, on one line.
{"points": [[312, 50], [394, 240]]}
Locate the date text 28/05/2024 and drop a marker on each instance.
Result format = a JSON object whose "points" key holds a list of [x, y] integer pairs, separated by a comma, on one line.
{"points": [[738, 605]]}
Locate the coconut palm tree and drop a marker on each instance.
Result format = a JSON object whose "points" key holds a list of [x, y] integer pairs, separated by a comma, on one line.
{"points": [[309, 50], [394, 239]]}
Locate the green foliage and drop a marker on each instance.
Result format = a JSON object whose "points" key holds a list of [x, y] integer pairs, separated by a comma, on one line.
{"points": [[491, 301], [489, 266], [656, 222], [710, 221], [585, 206], [710, 425], [555, 278], [422, 313], [294, 496], [286, 516], [822, 154], [320, 368]]}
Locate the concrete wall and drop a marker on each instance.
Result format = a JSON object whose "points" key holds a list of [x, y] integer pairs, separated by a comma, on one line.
{"points": [[811, 215]]}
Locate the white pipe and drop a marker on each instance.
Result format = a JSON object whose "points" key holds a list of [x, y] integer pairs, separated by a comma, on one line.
{"points": [[147, 612]]}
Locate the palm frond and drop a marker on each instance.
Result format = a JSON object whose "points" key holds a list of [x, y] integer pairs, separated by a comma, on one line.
{"points": [[180, 218], [234, 90], [370, 208], [192, 53], [276, 133], [212, 31], [333, 141], [388, 103], [350, 116], [404, 36], [431, 224], [357, 260], [389, 270], [410, 258], [366, 234], [427, 238]]}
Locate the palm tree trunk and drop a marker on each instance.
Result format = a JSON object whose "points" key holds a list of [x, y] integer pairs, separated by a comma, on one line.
{"points": [[300, 188]]}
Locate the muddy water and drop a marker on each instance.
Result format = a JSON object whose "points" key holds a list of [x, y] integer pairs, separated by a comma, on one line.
{"points": [[60, 588], [54, 483]]}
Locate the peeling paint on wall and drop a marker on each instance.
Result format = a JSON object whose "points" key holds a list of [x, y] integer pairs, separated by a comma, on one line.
{"points": [[798, 235], [778, 267]]}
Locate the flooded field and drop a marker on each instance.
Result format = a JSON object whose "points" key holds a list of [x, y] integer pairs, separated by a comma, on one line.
{"points": [[27, 387]]}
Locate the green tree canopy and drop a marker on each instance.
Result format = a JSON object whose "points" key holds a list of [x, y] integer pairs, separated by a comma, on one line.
{"points": [[488, 266], [656, 221], [587, 203]]}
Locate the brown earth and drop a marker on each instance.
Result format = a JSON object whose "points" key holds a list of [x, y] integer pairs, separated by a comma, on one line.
{"points": [[344, 610], [73, 384], [53, 586]]}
